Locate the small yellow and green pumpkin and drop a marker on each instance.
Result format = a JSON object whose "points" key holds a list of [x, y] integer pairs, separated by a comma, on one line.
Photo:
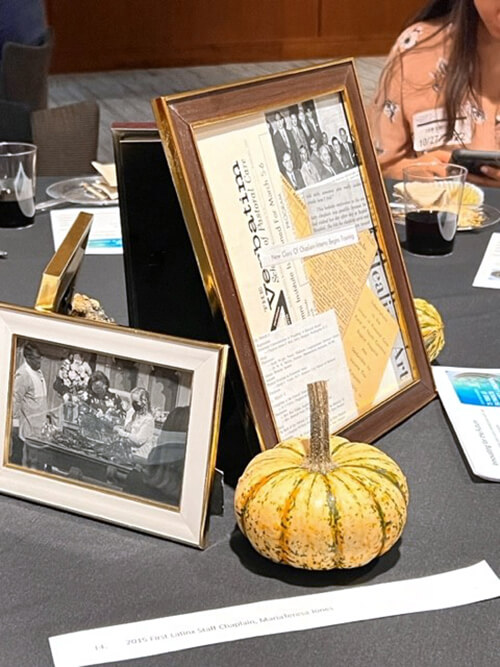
{"points": [[324, 502], [432, 327]]}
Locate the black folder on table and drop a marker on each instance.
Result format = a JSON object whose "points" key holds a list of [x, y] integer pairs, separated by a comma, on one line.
{"points": [[165, 291]]}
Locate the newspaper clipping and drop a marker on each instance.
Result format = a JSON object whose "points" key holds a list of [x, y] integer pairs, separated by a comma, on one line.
{"points": [[295, 219]]}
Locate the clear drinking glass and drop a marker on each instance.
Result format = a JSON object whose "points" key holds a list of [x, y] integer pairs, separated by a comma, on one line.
{"points": [[17, 184], [432, 197]]}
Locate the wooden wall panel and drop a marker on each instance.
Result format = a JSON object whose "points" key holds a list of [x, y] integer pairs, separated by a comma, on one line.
{"points": [[93, 35], [370, 21], [233, 22]]}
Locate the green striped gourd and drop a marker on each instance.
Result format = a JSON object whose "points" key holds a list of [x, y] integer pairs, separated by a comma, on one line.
{"points": [[324, 502], [432, 327]]}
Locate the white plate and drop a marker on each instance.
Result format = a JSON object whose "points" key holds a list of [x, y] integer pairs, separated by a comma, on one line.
{"points": [[73, 191], [490, 216]]}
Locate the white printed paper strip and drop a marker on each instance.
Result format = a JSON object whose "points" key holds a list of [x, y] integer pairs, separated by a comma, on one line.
{"points": [[105, 234], [488, 274], [309, 246], [175, 633]]}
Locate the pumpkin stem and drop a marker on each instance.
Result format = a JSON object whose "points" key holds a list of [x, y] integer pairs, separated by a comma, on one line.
{"points": [[319, 459]]}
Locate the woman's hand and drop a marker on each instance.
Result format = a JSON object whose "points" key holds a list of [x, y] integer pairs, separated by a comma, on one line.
{"points": [[438, 155], [491, 178]]}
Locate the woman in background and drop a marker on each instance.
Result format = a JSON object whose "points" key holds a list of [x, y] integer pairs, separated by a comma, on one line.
{"points": [[440, 88]]}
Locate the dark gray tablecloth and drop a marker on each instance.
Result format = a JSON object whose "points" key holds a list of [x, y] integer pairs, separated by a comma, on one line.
{"points": [[30, 249], [62, 573]]}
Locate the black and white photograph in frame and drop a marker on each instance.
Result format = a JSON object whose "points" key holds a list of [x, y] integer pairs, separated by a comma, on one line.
{"points": [[312, 144], [115, 423], [100, 419]]}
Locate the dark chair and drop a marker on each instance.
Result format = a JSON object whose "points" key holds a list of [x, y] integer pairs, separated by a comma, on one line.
{"points": [[15, 121], [67, 138], [24, 72]]}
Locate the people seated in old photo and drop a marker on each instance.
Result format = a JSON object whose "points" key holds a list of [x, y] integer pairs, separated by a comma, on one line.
{"points": [[311, 147], [100, 420]]}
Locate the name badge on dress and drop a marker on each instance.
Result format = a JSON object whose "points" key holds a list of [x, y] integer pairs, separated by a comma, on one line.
{"points": [[429, 128]]}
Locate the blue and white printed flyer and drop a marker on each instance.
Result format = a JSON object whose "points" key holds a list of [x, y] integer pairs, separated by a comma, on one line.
{"points": [[471, 398]]}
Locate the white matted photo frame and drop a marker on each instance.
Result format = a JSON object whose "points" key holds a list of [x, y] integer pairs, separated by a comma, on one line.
{"points": [[114, 423], [287, 213]]}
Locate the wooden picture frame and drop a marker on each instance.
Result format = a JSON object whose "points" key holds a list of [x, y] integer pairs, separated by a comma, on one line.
{"points": [[309, 277], [114, 423]]}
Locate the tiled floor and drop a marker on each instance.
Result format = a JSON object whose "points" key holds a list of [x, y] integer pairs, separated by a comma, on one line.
{"points": [[125, 95]]}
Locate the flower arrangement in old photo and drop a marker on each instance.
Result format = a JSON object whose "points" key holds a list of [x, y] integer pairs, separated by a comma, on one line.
{"points": [[74, 374]]}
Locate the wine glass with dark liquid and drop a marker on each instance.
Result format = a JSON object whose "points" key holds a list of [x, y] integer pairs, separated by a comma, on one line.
{"points": [[432, 196], [17, 184]]}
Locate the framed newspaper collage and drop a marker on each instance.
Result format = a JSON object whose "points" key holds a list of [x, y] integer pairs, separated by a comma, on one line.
{"points": [[286, 209]]}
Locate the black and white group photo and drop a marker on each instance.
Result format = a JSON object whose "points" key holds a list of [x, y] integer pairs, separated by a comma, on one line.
{"points": [[305, 151], [100, 420]]}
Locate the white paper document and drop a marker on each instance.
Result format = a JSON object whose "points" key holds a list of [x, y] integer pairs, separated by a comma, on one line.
{"points": [[175, 633], [488, 274], [300, 353], [105, 234], [314, 245], [471, 398]]}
